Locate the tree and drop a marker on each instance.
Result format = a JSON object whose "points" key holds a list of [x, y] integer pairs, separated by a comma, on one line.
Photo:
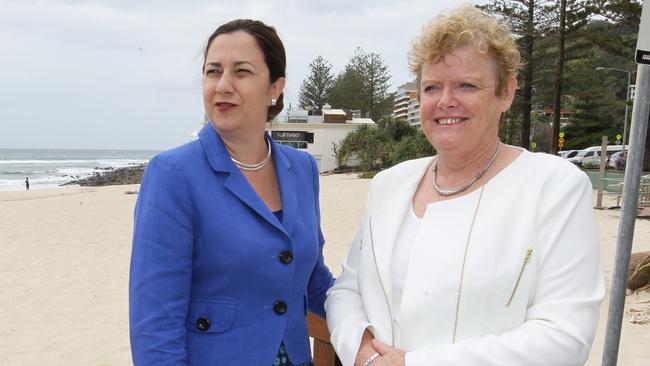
{"points": [[525, 18], [316, 89], [363, 85], [390, 143], [570, 21], [375, 76], [347, 90], [411, 147], [369, 144]]}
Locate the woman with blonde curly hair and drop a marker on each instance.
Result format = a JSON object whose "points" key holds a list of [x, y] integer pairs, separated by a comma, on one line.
{"points": [[485, 254]]}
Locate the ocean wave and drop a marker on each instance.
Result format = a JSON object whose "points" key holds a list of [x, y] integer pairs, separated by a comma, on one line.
{"points": [[27, 172], [46, 161], [78, 161]]}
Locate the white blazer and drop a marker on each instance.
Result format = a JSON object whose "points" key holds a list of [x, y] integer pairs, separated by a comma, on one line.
{"points": [[524, 289]]}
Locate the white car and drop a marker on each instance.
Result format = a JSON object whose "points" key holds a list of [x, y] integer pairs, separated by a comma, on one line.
{"points": [[568, 153], [591, 161], [577, 159], [593, 155]]}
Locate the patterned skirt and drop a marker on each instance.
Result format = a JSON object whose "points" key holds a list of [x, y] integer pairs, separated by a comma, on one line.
{"points": [[282, 359]]}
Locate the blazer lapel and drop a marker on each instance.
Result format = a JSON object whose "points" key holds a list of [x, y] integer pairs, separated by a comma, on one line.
{"points": [[387, 216], [288, 188], [236, 183]]}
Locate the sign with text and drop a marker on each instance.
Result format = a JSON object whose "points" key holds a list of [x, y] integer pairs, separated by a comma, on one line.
{"points": [[643, 43], [292, 136]]}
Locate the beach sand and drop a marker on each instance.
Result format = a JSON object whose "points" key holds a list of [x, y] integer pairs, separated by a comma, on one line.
{"points": [[65, 260]]}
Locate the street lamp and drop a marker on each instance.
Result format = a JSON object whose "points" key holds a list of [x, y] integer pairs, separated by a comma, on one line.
{"points": [[627, 96]]}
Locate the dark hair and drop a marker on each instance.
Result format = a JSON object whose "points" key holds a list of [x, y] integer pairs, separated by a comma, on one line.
{"points": [[270, 44]]}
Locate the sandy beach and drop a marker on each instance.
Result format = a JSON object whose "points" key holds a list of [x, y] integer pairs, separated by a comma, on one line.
{"points": [[65, 260]]}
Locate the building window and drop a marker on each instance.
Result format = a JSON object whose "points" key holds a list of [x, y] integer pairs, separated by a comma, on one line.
{"points": [[294, 144]]}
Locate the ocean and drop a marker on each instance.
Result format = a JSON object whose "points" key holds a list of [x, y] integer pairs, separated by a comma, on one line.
{"points": [[49, 168]]}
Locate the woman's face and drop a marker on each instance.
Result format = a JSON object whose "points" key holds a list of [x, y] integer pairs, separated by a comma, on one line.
{"points": [[459, 108], [236, 86]]}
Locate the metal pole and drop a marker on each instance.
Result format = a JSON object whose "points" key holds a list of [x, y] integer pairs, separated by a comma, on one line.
{"points": [[627, 99], [629, 208]]}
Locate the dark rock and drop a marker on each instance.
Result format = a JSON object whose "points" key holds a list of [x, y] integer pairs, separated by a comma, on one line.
{"points": [[120, 176], [639, 270]]}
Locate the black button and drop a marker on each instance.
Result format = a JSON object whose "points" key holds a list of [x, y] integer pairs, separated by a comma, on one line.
{"points": [[203, 324], [286, 257], [280, 307]]}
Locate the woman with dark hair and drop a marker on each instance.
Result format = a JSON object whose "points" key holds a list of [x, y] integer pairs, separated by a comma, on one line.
{"points": [[227, 247]]}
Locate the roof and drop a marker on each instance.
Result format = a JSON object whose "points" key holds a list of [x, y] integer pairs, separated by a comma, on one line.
{"points": [[362, 120], [338, 112]]}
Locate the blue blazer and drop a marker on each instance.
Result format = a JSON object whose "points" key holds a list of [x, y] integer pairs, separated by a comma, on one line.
{"points": [[216, 278]]}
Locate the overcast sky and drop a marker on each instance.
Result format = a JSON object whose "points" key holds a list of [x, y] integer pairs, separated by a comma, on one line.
{"points": [[123, 74]]}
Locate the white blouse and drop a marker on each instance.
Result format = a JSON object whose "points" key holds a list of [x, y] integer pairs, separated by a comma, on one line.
{"points": [[399, 266]]}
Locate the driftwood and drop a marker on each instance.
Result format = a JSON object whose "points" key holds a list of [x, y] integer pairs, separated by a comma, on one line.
{"points": [[638, 275]]}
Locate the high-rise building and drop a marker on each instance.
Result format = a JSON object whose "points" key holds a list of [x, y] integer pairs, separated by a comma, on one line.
{"points": [[406, 105]]}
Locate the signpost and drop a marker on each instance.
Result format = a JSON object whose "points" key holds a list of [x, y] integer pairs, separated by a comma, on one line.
{"points": [[629, 206]]}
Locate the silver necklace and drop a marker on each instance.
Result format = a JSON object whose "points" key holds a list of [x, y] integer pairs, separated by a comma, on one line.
{"points": [[256, 166], [451, 192]]}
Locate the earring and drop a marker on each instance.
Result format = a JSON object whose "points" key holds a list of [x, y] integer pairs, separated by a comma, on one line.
{"points": [[273, 101]]}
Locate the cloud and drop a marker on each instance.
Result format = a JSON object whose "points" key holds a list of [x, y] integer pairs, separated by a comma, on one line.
{"points": [[126, 74]]}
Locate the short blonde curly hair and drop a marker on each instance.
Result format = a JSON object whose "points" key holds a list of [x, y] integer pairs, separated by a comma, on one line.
{"points": [[467, 26]]}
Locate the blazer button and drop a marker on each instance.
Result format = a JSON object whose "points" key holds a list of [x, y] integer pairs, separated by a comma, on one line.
{"points": [[286, 257], [203, 324], [280, 307]]}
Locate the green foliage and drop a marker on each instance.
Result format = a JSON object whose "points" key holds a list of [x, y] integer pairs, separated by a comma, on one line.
{"points": [[347, 90], [396, 128], [367, 143], [390, 142], [598, 33], [410, 147], [363, 85], [368, 175], [316, 89]]}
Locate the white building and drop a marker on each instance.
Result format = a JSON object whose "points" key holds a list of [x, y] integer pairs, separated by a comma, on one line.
{"points": [[317, 134], [413, 116], [406, 105]]}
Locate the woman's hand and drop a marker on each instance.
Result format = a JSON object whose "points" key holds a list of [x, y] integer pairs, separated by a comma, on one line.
{"points": [[389, 355], [365, 348]]}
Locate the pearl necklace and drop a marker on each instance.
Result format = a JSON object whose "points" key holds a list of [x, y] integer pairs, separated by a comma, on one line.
{"points": [[451, 192], [256, 166]]}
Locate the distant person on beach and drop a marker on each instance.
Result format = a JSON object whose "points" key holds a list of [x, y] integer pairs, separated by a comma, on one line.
{"points": [[485, 254], [227, 251], [27, 183]]}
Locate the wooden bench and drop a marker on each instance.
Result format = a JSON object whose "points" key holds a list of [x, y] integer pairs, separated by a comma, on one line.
{"points": [[324, 354]]}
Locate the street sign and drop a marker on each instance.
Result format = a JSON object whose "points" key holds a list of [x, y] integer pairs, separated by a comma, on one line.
{"points": [[533, 145], [618, 137], [561, 134], [561, 143], [643, 43]]}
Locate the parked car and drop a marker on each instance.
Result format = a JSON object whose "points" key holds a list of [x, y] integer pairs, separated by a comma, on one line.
{"points": [[568, 153], [592, 154], [591, 161], [577, 159]]}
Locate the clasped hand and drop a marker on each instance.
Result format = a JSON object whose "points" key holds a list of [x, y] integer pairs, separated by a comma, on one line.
{"points": [[388, 355]]}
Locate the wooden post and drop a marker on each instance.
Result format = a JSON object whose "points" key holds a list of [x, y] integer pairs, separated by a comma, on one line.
{"points": [[601, 173]]}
